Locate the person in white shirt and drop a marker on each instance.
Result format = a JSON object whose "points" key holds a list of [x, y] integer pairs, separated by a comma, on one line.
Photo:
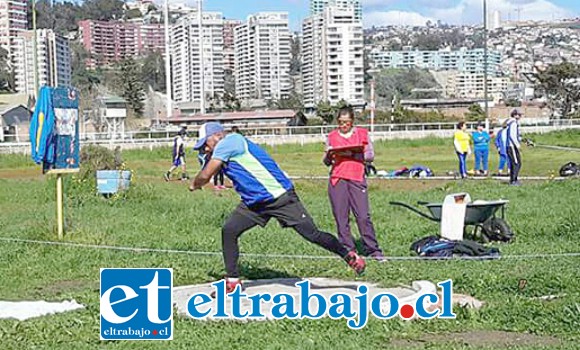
{"points": [[178, 156], [513, 142]]}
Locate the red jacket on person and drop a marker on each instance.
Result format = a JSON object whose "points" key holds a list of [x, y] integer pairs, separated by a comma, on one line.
{"points": [[350, 168]]}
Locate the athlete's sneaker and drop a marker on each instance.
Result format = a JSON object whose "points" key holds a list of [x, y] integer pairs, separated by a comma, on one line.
{"points": [[166, 176], [356, 262], [230, 286]]}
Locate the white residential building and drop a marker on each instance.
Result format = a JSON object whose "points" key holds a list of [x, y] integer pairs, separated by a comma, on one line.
{"points": [[333, 67], [229, 50], [464, 60], [187, 56], [317, 6], [262, 57], [12, 21], [54, 61], [468, 85], [494, 22]]}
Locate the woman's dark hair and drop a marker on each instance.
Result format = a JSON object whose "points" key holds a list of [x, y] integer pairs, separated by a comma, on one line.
{"points": [[348, 111], [460, 125]]}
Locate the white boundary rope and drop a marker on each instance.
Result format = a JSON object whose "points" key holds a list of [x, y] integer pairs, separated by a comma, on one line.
{"points": [[277, 256], [559, 148], [432, 178]]}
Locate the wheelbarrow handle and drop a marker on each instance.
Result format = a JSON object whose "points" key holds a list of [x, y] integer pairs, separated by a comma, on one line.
{"points": [[415, 210]]}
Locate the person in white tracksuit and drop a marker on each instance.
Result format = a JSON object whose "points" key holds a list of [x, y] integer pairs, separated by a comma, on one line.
{"points": [[513, 141]]}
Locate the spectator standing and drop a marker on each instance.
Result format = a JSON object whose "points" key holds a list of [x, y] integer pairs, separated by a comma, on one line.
{"points": [[481, 140], [513, 137], [347, 187], [178, 156], [501, 145], [462, 147]]}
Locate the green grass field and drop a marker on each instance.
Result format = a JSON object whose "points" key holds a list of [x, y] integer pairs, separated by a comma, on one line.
{"points": [[163, 215]]}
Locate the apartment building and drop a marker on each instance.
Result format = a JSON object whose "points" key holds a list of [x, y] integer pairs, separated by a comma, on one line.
{"points": [[262, 57], [110, 41], [333, 66], [189, 54], [54, 60], [463, 60], [12, 22], [229, 48], [469, 85], [317, 6]]}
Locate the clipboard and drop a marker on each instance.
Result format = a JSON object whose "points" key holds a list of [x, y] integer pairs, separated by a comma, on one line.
{"points": [[353, 148]]}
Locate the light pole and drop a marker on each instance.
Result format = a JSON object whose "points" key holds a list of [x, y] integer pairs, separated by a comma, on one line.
{"points": [[373, 106], [201, 68], [485, 65], [373, 103], [35, 50], [168, 87]]}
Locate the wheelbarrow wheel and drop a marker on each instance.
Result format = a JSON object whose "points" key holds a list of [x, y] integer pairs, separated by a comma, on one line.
{"points": [[496, 229]]}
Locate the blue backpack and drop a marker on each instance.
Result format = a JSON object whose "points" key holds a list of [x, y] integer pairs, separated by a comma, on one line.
{"points": [[420, 171], [437, 247]]}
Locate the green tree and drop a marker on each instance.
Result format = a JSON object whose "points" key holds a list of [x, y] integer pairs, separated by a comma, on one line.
{"points": [[151, 7], [229, 82], [404, 83], [475, 113], [293, 102], [129, 84], [153, 71], [103, 10], [83, 79], [230, 102], [426, 41], [513, 103], [341, 104], [325, 111], [296, 54], [133, 13], [560, 83], [6, 73]]}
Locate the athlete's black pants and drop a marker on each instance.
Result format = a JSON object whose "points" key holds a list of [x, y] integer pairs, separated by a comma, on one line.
{"points": [[288, 210], [515, 163]]}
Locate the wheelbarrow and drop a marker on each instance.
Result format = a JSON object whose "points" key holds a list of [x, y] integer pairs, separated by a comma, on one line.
{"points": [[479, 214]]}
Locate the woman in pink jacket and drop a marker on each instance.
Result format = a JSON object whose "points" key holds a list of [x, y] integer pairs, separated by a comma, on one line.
{"points": [[347, 188]]}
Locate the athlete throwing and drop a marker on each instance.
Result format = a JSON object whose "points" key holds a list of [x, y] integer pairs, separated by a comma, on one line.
{"points": [[266, 193]]}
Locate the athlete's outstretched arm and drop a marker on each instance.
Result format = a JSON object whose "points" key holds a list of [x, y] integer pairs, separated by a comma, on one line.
{"points": [[205, 175]]}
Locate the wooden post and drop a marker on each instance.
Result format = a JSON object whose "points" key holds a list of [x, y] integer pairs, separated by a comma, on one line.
{"points": [[59, 197], [59, 206]]}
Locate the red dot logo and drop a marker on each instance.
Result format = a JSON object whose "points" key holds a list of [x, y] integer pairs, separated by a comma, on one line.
{"points": [[407, 311], [154, 332]]}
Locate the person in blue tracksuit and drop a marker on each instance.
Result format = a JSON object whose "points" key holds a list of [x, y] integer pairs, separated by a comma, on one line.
{"points": [[481, 141], [501, 145]]}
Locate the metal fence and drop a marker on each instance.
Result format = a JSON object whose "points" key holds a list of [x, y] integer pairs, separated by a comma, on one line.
{"points": [[297, 134]]}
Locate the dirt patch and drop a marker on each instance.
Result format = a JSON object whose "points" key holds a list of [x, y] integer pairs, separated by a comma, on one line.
{"points": [[497, 339], [28, 173], [66, 286]]}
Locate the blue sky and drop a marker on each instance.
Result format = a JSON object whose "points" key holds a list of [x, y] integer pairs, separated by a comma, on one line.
{"points": [[409, 11]]}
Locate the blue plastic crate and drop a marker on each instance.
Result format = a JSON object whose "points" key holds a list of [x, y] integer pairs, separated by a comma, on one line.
{"points": [[112, 181]]}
